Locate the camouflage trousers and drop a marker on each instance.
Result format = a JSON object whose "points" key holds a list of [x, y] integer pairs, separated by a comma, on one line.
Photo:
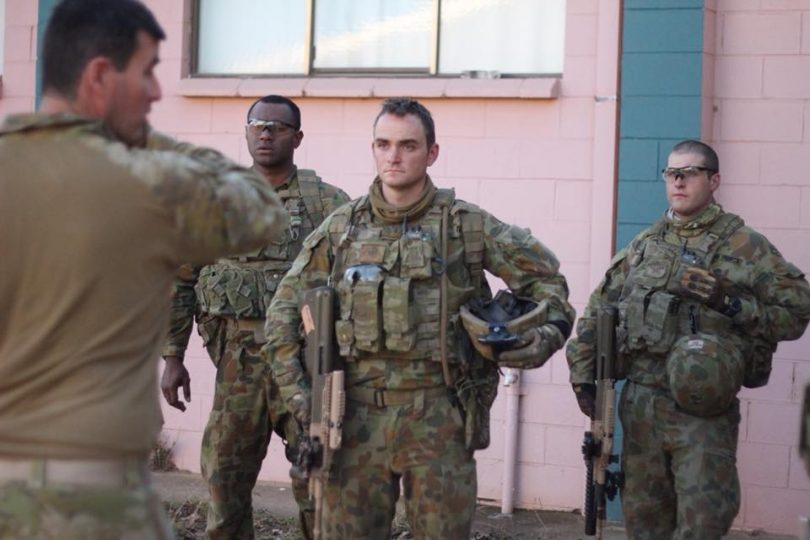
{"points": [[420, 444], [77, 512], [246, 410], [680, 470]]}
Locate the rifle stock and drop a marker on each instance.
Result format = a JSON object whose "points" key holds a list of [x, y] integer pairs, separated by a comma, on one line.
{"points": [[597, 447], [328, 394]]}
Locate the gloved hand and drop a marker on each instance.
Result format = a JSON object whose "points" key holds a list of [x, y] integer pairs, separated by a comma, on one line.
{"points": [[698, 284], [586, 397], [534, 348]]}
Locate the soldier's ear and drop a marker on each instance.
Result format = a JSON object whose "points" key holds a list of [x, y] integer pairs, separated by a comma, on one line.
{"points": [[433, 154], [95, 87], [714, 181]]}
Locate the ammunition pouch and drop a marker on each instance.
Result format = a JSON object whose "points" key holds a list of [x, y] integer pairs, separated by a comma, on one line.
{"points": [[238, 289]]}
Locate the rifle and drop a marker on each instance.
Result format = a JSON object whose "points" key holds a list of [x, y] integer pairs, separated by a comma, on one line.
{"points": [[328, 394], [597, 446]]}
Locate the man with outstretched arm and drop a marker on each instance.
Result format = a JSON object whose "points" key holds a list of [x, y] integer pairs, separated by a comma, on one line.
{"points": [[96, 215]]}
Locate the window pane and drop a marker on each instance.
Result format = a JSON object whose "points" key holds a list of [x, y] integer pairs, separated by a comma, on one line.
{"points": [[507, 36], [368, 34], [251, 37]]}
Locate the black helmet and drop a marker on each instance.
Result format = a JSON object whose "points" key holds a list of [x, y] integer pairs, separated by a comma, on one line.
{"points": [[496, 325]]}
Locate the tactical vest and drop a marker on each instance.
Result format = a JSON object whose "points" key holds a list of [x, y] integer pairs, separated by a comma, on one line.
{"points": [[388, 279], [243, 286], [651, 313]]}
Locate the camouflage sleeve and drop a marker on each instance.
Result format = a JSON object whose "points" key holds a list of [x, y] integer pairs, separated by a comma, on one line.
{"points": [[182, 311], [310, 269], [527, 267], [217, 207], [332, 198], [581, 349], [779, 309]]}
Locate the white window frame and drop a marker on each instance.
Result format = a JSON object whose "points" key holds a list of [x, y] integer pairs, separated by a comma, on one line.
{"points": [[310, 72]]}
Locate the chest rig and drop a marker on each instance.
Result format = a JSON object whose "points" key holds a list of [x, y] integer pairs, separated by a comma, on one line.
{"points": [[651, 313], [243, 286], [388, 277]]}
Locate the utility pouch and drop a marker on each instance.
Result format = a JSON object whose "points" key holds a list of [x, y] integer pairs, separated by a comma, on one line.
{"points": [[366, 303], [476, 388], [631, 319], [271, 281], [240, 293], [398, 314], [758, 364], [416, 253], [661, 322], [210, 292], [344, 328]]}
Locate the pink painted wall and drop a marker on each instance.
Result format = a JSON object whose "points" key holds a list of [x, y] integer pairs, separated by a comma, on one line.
{"points": [[545, 163], [759, 120], [19, 62]]}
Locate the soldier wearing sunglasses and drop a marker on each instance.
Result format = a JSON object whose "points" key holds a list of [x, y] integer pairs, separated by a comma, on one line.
{"points": [[703, 301], [228, 299]]}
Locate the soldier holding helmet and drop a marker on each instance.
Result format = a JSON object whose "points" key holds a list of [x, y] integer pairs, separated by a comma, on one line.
{"points": [[404, 259]]}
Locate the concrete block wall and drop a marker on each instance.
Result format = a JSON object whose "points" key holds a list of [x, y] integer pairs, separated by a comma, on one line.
{"points": [[19, 62], [760, 112]]}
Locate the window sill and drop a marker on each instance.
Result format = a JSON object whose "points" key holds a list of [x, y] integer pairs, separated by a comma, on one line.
{"points": [[367, 87]]}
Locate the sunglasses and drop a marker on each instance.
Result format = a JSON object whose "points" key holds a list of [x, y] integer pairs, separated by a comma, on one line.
{"points": [[275, 127], [670, 174]]}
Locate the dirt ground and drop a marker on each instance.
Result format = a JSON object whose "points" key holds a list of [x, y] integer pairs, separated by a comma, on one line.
{"points": [[185, 495]]}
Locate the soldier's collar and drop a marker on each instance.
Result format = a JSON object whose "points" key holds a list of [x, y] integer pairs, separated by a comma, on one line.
{"points": [[16, 123], [287, 185], [694, 226]]}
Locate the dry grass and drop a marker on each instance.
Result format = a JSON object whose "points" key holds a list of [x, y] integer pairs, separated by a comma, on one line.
{"points": [[188, 519], [161, 458]]}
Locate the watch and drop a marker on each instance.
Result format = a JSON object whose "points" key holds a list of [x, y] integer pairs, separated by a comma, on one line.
{"points": [[731, 306]]}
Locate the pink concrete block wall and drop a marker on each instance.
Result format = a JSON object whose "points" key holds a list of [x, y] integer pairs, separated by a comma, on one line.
{"points": [[762, 99], [544, 164], [19, 62]]}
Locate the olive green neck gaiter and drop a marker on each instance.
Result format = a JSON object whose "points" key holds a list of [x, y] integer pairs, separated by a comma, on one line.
{"points": [[394, 214]]}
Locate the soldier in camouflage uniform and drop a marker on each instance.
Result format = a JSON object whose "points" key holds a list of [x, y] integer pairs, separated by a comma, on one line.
{"points": [[399, 334], [229, 300], [703, 301], [94, 226]]}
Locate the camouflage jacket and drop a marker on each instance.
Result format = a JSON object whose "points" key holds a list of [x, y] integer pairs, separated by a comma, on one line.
{"points": [[242, 286], [92, 232], [405, 252], [775, 296]]}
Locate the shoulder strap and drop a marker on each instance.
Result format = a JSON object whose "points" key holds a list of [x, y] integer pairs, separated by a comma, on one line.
{"points": [[472, 237], [341, 228], [310, 189], [720, 231]]}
